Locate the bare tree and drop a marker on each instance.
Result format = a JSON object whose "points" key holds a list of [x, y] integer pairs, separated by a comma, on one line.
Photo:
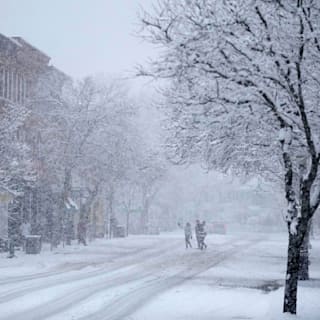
{"points": [[84, 131]]}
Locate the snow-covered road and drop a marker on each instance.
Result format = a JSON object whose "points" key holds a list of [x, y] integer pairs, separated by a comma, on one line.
{"points": [[106, 280], [116, 279]]}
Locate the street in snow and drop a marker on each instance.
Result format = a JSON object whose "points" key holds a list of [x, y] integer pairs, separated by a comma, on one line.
{"points": [[239, 276], [159, 160]]}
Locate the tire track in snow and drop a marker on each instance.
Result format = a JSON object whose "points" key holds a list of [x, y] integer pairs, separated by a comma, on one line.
{"points": [[162, 259], [124, 306], [76, 266], [86, 290], [50, 279]]}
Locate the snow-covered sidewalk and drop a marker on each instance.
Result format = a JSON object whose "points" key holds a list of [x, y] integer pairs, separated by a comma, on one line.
{"points": [[248, 286]]}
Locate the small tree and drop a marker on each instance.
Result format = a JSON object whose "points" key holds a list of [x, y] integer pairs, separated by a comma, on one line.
{"points": [[152, 171]]}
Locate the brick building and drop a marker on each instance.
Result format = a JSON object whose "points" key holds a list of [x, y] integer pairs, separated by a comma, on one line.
{"points": [[24, 70], [20, 66], [27, 79]]}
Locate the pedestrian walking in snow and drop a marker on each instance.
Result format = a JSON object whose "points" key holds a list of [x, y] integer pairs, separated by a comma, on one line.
{"points": [[197, 232], [188, 235], [202, 235]]}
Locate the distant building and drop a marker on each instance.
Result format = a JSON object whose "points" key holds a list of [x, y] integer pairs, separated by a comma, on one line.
{"points": [[20, 66], [24, 73], [27, 79]]}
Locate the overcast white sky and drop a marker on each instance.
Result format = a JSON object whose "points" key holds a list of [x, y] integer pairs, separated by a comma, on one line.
{"points": [[81, 36]]}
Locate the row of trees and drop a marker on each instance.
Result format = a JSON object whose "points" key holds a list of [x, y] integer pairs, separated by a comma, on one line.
{"points": [[243, 96], [73, 144]]}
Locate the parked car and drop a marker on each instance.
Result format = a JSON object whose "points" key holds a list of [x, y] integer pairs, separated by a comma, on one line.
{"points": [[217, 227]]}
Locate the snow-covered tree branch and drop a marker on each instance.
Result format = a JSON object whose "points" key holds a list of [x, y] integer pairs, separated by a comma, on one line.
{"points": [[244, 95]]}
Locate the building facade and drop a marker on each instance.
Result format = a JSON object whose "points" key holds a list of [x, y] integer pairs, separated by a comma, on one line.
{"points": [[27, 79], [22, 70], [20, 66]]}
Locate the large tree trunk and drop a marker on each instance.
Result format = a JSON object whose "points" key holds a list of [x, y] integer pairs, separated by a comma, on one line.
{"points": [[293, 265], [298, 221], [298, 251], [291, 284], [304, 258]]}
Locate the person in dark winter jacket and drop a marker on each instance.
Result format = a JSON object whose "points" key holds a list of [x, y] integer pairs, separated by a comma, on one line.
{"points": [[188, 235], [202, 235], [197, 232]]}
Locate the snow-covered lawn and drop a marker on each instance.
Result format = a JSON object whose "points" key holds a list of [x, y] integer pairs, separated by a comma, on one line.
{"points": [[239, 276]]}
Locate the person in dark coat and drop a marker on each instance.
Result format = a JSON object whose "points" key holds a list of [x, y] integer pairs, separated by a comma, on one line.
{"points": [[202, 235], [188, 235], [197, 232]]}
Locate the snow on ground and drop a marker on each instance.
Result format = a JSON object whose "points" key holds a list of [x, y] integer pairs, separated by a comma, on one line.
{"points": [[239, 276], [195, 301], [248, 286], [76, 257]]}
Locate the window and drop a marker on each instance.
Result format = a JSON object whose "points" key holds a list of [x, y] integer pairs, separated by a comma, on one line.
{"points": [[10, 84], [19, 88], [6, 84], [1, 81], [22, 89], [14, 87]]}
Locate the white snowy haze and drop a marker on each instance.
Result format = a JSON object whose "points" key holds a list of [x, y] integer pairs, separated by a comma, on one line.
{"points": [[80, 36], [159, 159]]}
